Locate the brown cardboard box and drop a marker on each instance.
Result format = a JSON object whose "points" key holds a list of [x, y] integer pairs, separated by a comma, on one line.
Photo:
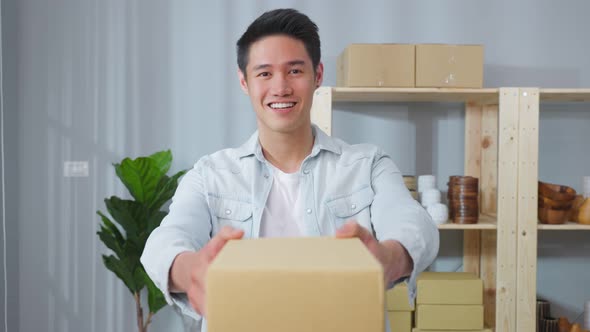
{"points": [[397, 298], [294, 285], [449, 66], [400, 321], [418, 330], [377, 65], [449, 317], [449, 288]]}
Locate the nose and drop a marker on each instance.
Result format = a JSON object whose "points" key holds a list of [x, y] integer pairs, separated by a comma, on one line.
{"points": [[281, 86]]}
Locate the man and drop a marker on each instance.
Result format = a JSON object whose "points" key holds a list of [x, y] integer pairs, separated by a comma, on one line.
{"points": [[288, 179]]}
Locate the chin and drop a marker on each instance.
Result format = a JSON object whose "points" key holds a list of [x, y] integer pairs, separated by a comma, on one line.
{"points": [[283, 128]]}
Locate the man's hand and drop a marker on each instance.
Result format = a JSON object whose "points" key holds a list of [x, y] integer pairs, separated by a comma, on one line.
{"points": [[391, 254], [189, 269]]}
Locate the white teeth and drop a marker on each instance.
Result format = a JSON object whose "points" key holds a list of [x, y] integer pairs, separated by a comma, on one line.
{"points": [[281, 105]]}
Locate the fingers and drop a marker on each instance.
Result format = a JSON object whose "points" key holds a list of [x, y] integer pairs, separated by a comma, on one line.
{"points": [[352, 229], [214, 246], [197, 294], [349, 229], [197, 299], [202, 301]]}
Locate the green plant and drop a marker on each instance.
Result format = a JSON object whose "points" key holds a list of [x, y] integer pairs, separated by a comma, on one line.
{"points": [[151, 188]]}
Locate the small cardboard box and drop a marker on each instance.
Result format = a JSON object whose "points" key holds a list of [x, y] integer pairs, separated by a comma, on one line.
{"points": [[449, 317], [449, 288], [377, 65], [400, 321], [397, 298], [294, 285], [449, 66]]}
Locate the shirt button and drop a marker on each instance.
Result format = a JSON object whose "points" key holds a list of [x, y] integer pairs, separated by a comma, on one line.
{"points": [[266, 176], [308, 211], [228, 211], [306, 171], [353, 206]]}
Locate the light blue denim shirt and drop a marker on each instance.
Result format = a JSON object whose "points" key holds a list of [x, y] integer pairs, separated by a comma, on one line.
{"points": [[339, 182]]}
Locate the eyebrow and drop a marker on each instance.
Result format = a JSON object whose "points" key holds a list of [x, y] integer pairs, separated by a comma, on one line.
{"points": [[290, 63]]}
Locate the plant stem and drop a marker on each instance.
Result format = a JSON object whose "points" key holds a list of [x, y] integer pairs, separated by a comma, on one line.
{"points": [[139, 312], [149, 320]]}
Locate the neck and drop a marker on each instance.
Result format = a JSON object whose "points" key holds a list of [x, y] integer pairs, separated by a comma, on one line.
{"points": [[286, 151]]}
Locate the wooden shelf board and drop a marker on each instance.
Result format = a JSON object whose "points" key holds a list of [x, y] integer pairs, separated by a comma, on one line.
{"points": [[482, 96], [565, 95], [569, 226], [484, 222]]}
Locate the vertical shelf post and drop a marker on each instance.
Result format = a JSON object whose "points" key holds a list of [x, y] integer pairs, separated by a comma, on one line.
{"points": [[321, 109], [507, 210], [471, 238], [481, 156], [528, 156], [488, 182]]}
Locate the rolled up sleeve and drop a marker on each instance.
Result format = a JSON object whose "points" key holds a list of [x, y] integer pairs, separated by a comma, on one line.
{"points": [[187, 227], [396, 215]]}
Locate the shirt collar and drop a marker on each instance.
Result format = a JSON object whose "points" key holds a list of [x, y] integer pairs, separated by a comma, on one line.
{"points": [[321, 142]]}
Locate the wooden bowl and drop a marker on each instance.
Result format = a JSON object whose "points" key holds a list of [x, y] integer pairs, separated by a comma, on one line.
{"points": [[551, 216], [556, 192], [564, 324], [556, 205]]}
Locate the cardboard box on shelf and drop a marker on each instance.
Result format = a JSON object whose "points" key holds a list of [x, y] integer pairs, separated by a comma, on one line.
{"points": [[400, 321], [449, 66], [294, 285], [449, 317], [376, 65], [449, 288], [397, 299]]}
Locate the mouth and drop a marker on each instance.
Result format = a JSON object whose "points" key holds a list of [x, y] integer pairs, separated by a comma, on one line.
{"points": [[282, 107]]}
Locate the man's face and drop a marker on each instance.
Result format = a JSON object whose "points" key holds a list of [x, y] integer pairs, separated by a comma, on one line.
{"points": [[280, 81]]}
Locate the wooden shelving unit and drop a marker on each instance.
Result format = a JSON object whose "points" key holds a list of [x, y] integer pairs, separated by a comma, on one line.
{"points": [[485, 222], [569, 226], [528, 223], [491, 154], [483, 96], [502, 150], [565, 95]]}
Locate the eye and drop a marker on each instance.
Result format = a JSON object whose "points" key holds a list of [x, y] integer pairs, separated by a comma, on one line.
{"points": [[295, 71], [263, 74]]}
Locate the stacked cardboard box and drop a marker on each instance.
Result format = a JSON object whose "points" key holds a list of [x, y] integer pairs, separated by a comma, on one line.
{"points": [[408, 65], [377, 65], [399, 308], [449, 66], [449, 301]]}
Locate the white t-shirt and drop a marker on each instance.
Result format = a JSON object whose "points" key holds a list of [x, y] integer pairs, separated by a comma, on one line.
{"points": [[282, 216]]}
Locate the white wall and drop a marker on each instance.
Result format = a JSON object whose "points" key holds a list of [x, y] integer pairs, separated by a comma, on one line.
{"points": [[99, 80]]}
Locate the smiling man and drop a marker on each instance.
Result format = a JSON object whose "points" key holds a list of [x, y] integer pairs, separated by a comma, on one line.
{"points": [[289, 179]]}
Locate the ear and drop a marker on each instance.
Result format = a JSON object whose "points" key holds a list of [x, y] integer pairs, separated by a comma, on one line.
{"points": [[319, 75], [243, 81]]}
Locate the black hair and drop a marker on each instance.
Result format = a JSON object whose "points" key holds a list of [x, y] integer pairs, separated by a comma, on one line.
{"points": [[287, 22]]}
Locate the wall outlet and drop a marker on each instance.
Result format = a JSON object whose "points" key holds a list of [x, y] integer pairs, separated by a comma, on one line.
{"points": [[75, 169]]}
